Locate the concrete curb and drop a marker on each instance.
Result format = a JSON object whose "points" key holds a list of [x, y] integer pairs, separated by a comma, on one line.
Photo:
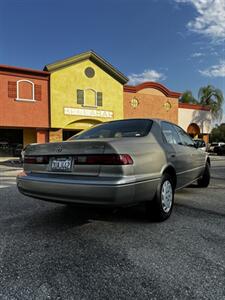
{"points": [[10, 162], [6, 159], [217, 158]]}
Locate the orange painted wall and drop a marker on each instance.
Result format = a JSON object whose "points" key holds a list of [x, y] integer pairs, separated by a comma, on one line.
{"points": [[42, 136], [150, 106], [20, 113]]}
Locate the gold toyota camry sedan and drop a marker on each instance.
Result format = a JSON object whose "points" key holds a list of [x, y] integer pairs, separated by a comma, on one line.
{"points": [[118, 163]]}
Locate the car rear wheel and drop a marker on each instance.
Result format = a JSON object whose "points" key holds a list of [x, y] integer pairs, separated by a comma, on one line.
{"points": [[160, 208], [205, 179]]}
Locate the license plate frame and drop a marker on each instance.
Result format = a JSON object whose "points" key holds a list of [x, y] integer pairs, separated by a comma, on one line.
{"points": [[61, 164]]}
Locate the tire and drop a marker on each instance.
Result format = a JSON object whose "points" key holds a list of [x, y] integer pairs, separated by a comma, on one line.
{"points": [[160, 208], [220, 152], [205, 179]]}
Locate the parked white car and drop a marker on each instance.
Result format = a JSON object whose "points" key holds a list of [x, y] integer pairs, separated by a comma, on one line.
{"points": [[200, 144]]}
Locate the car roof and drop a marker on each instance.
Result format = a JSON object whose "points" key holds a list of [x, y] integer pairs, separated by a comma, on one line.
{"points": [[156, 120], [149, 119]]}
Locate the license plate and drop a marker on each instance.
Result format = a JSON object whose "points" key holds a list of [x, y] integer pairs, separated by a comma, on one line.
{"points": [[61, 164]]}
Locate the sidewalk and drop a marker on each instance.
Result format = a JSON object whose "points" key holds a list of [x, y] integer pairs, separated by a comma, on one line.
{"points": [[216, 157], [6, 158], [10, 161]]}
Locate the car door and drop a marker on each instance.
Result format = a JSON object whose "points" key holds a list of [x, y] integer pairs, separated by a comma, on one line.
{"points": [[179, 156], [195, 157]]}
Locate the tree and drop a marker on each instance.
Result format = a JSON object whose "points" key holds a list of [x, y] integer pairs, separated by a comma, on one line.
{"points": [[187, 97], [218, 133], [212, 97]]}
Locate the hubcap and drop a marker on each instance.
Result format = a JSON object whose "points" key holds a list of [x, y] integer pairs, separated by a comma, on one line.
{"points": [[166, 196]]}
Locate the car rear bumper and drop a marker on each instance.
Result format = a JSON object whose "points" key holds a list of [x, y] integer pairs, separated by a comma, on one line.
{"points": [[105, 192]]}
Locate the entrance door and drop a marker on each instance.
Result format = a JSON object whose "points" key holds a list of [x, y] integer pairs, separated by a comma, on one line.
{"points": [[10, 140], [68, 133]]}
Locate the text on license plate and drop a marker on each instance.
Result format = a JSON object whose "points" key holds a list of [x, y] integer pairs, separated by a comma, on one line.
{"points": [[62, 164]]}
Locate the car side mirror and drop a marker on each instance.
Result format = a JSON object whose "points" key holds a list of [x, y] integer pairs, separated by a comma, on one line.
{"points": [[196, 144]]}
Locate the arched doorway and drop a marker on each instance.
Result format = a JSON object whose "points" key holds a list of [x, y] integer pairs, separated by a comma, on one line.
{"points": [[193, 130], [77, 126]]}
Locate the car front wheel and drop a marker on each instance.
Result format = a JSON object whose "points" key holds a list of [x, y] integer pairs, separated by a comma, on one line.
{"points": [[160, 208], [205, 179]]}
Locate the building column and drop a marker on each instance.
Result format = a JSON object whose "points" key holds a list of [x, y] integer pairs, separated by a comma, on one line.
{"points": [[206, 138], [42, 136], [55, 135], [29, 136]]}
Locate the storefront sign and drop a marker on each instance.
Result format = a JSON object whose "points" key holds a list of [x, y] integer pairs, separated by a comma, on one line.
{"points": [[88, 112]]}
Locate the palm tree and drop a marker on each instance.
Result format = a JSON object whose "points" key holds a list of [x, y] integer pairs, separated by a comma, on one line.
{"points": [[212, 97], [187, 97]]}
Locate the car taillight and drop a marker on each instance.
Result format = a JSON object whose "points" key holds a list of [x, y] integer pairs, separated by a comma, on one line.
{"points": [[36, 160], [103, 159]]}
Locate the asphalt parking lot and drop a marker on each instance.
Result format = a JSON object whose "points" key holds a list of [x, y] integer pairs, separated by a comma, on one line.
{"points": [[50, 251]]}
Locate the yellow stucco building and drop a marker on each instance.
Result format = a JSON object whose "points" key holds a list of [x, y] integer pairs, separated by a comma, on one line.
{"points": [[84, 90]]}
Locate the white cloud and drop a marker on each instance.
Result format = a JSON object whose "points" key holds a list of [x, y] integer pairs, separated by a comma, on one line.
{"points": [[215, 70], [147, 75], [210, 20], [197, 54]]}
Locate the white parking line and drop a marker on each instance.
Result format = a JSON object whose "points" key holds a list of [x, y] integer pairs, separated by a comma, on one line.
{"points": [[3, 186]]}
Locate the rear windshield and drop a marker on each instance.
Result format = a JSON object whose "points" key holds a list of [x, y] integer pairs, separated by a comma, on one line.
{"points": [[116, 129]]}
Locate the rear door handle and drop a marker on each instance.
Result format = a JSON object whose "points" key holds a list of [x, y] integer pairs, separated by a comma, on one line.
{"points": [[172, 155]]}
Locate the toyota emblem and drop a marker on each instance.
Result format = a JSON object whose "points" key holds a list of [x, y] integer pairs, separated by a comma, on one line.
{"points": [[59, 148]]}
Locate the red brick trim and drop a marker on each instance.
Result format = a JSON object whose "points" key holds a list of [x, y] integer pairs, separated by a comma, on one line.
{"points": [[16, 71], [194, 106], [24, 75], [23, 127], [153, 85]]}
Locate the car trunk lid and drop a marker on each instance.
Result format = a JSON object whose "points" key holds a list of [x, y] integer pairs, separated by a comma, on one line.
{"points": [[74, 157]]}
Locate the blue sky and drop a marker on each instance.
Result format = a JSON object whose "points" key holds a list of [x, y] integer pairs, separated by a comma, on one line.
{"points": [[180, 43]]}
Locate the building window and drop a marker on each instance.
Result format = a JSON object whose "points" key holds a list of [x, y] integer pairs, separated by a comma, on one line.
{"points": [[24, 90], [89, 97], [89, 72]]}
